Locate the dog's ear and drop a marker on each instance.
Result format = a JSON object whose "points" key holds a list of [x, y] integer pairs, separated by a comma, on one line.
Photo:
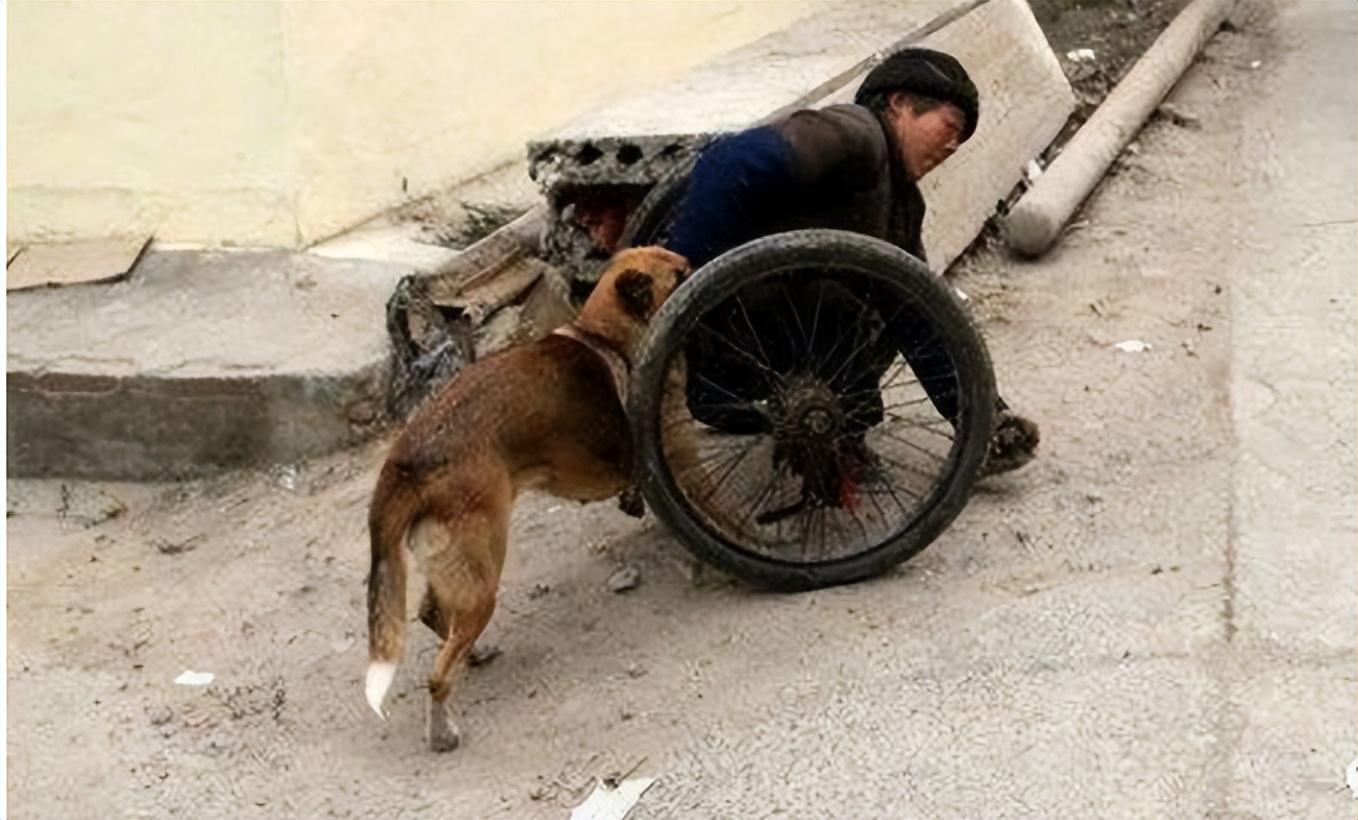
{"points": [[634, 292]]}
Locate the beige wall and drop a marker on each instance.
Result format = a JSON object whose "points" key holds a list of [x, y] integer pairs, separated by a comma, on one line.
{"points": [[280, 124]]}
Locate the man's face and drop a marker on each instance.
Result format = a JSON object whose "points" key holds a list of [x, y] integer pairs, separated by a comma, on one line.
{"points": [[604, 222], [926, 139]]}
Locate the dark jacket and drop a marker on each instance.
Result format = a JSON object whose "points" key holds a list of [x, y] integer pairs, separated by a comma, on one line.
{"points": [[837, 167]]}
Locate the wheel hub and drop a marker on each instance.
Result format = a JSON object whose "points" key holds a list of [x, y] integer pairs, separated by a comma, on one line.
{"points": [[808, 410]]}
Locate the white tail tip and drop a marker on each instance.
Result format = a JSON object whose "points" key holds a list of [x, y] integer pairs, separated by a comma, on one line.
{"points": [[380, 676]]}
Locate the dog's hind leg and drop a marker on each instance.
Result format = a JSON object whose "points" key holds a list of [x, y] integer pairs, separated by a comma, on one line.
{"points": [[431, 615], [463, 584], [469, 609]]}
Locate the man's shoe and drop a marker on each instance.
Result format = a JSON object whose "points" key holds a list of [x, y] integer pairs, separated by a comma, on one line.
{"points": [[1013, 445]]}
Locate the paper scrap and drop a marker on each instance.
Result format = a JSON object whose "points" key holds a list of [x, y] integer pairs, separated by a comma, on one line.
{"points": [[1081, 55], [1034, 170], [1132, 346], [72, 263], [612, 804], [1351, 776], [191, 678]]}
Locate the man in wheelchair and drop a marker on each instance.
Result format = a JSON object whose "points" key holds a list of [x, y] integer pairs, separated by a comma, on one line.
{"points": [[848, 167]]}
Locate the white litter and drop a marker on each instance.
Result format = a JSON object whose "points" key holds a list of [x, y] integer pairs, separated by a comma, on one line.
{"points": [[191, 678], [1132, 346], [961, 294], [1034, 170], [1081, 55], [612, 804], [1351, 776], [1255, 64]]}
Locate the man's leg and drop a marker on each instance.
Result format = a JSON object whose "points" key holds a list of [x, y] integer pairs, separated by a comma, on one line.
{"points": [[1015, 439]]}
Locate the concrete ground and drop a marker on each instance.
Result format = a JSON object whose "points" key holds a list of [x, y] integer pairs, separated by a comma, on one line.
{"points": [[1156, 619]]}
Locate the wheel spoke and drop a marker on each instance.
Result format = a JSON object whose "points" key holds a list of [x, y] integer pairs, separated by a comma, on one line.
{"points": [[777, 379], [727, 474], [925, 426], [754, 334]]}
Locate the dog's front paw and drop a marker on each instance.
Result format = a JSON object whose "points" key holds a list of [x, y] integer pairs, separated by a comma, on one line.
{"points": [[632, 503]]}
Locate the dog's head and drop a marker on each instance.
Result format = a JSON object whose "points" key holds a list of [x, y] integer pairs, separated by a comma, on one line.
{"points": [[635, 284]]}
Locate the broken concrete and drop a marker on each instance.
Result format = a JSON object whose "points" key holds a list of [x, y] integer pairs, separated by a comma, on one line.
{"points": [[197, 362]]}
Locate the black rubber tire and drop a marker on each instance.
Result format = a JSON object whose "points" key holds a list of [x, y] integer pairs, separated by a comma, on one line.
{"points": [[654, 213], [715, 282]]}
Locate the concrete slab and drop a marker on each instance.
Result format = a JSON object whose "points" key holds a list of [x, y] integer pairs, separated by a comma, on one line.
{"points": [[197, 362]]}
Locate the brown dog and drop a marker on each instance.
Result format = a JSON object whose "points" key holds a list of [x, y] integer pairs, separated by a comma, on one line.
{"points": [[546, 415]]}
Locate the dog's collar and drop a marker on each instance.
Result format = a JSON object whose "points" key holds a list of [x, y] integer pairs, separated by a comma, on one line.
{"points": [[618, 366]]}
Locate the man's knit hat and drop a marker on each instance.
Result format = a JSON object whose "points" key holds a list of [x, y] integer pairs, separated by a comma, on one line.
{"points": [[928, 73]]}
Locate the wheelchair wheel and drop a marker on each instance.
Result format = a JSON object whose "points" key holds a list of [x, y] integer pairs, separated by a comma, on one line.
{"points": [[810, 409]]}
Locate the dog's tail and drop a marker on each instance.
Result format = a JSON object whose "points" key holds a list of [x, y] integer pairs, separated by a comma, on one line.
{"points": [[395, 506]]}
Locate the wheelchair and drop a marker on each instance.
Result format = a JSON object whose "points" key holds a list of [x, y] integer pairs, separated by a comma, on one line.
{"points": [[808, 409]]}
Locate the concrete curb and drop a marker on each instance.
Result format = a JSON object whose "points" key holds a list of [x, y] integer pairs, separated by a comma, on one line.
{"points": [[150, 428], [1036, 221], [198, 362]]}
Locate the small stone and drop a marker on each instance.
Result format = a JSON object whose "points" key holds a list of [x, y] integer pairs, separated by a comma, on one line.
{"points": [[539, 590], [635, 670], [623, 580], [161, 715]]}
